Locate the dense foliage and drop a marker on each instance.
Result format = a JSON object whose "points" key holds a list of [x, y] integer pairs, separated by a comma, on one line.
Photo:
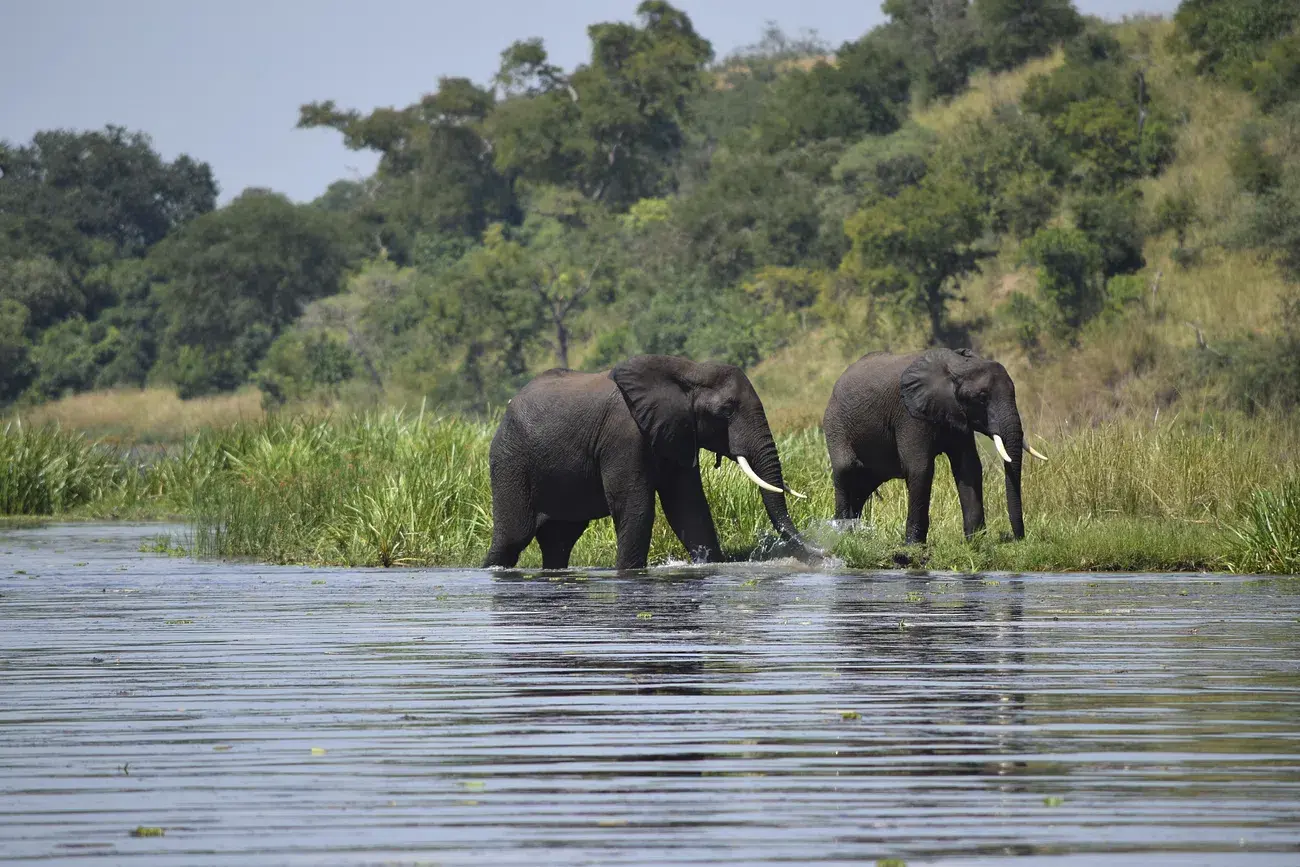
{"points": [[657, 199]]}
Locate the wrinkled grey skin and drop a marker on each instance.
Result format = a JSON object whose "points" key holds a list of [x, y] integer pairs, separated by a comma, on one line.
{"points": [[574, 447], [890, 416]]}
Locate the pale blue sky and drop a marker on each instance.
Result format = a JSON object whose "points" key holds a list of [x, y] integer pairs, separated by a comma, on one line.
{"points": [[222, 80]]}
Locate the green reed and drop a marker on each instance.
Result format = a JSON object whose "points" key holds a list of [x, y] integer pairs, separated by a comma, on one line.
{"points": [[48, 471], [398, 489]]}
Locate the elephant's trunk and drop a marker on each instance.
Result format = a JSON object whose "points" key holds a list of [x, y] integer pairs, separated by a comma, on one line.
{"points": [[766, 463], [1009, 432]]}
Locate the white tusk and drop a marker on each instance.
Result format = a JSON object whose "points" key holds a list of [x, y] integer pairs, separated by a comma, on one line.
{"points": [[753, 476], [1001, 447], [1035, 452], [792, 492]]}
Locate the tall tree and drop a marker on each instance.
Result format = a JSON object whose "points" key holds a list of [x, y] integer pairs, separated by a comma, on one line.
{"points": [[917, 245], [863, 92], [66, 191], [1229, 34], [612, 127], [1016, 30], [435, 170], [944, 40]]}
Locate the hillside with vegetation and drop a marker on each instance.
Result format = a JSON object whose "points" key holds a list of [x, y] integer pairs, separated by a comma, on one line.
{"points": [[1111, 209]]}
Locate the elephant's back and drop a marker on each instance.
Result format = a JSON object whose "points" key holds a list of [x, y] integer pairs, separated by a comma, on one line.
{"points": [[865, 403], [873, 378], [557, 408]]}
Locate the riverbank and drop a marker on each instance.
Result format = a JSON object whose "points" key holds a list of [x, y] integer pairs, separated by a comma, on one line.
{"points": [[394, 489]]}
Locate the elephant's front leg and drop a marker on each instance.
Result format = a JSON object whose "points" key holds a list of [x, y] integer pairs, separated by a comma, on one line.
{"points": [[920, 478], [968, 473], [682, 494]]}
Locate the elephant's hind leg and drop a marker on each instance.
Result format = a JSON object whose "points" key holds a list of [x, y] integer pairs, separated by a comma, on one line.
{"points": [[513, 521], [853, 486], [556, 539]]}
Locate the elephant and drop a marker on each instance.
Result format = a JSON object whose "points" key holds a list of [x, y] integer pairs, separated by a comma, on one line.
{"points": [[889, 416], [573, 447]]}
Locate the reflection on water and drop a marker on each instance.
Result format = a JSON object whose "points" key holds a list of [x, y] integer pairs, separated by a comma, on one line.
{"points": [[735, 713]]}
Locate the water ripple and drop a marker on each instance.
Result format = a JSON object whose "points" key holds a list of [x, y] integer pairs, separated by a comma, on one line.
{"points": [[745, 713]]}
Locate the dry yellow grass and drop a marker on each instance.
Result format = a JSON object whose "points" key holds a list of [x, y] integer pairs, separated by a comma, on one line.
{"points": [[147, 415], [986, 92]]}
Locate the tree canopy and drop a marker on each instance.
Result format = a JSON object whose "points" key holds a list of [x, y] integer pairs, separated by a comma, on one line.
{"points": [[652, 198]]}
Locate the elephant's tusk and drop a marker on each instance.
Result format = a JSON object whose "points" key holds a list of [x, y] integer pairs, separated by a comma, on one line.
{"points": [[1034, 452], [792, 492], [1001, 447], [753, 476]]}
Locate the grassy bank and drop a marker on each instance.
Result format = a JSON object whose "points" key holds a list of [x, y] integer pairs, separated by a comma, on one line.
{"points": [[386, 489]]}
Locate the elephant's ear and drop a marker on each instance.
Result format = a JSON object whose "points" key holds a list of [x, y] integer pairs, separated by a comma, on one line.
{"points": [[657, 392], [930, 391]]}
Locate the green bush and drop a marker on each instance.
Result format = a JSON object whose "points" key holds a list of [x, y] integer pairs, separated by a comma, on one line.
{"points": [[1113, 222], [1069, 264], [1123, 290], [1255, 167]]}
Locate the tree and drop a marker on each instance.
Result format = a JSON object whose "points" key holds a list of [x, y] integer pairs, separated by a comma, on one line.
{"points": [[1069, 265], [67, 190], [612, 127], [15, 371], [1016, 30], [1229, 34], [944, 42], [1102, 111], [435, 171], [44, 287], [1272, 224], [71, 356], [753, 210], [232, 279], [864, 91], [1015, 164], [917, 245], [1275, 77], [1113, 222]]}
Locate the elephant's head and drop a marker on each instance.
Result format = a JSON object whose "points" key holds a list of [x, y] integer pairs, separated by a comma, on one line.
{"points": [[683, 406], [960, 391]]}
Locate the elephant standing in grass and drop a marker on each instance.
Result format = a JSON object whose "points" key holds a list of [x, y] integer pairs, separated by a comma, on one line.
{"points": [[574, 447], [890, 416]]}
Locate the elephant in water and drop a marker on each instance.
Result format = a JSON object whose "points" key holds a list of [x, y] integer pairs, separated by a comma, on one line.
{"points": [[890, 416], [574, 447]]}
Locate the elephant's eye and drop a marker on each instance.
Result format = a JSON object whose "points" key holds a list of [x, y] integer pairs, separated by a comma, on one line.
{"points": [[727, 410]]}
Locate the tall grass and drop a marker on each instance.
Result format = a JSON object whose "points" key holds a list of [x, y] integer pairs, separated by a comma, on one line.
{"points": [[385, 489], [392, 489], [377, 489], [1268, 539], [48, 471]]}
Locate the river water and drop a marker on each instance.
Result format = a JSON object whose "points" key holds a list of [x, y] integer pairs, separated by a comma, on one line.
{"points": [[742, 714]]}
